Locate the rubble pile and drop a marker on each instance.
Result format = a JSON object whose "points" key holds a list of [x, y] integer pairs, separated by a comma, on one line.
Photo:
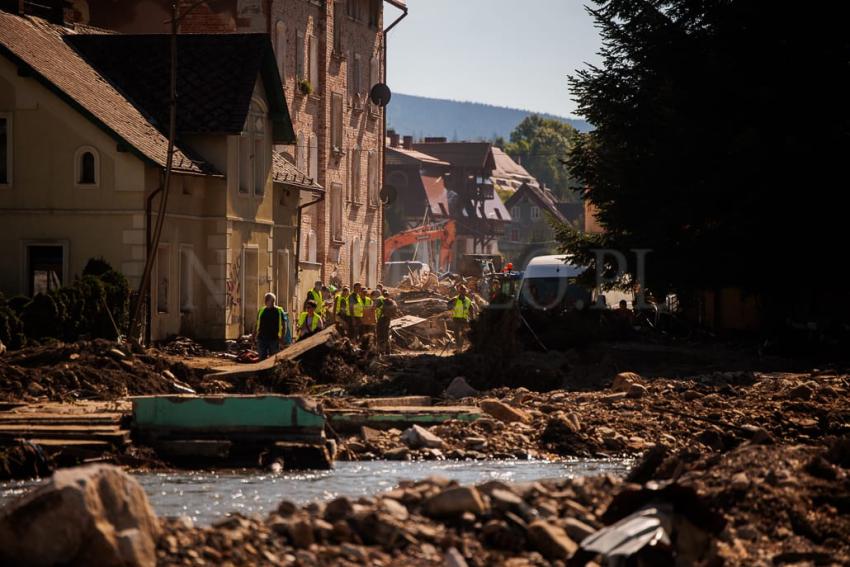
{"points": [[183, 346], [717, 412], [98, 369], [757, 504]]}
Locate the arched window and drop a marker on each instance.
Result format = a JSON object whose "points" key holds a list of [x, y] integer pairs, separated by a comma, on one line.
{"points": [[87, 166], [280, 49]]}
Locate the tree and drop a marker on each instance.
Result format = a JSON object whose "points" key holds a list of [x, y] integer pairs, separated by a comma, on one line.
{"points": [[542, 145], [720, 132]]}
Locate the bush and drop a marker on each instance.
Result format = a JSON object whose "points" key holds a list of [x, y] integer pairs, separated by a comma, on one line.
{"points": [[11, 328], [97, 267], [18, 303], [117, 298], [69, 300], [41, 317]]}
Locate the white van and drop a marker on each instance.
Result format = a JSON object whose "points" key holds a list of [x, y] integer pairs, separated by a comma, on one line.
{"points": [[551, 282]]}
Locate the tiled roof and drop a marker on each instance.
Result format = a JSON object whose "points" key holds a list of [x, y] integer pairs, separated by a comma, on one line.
{"points": [[216, 76], [462, 154], [401, 156], [541, 196], [435, 192], [506, 166], [285, 172], [40, 49]]}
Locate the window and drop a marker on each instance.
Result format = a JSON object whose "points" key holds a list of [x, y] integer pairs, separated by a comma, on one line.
{"points": [[311, 246], [86, 166], [314, 63], [336, 212], [283, 280], [280, 48], [354, 157], [253, 151], [299, 56], [46, 266], [5, 149], [313, 164], [354, 75], [515, 213], [187, 256], [374, 72], [336, 122], [337, 31], [162, 277], [372, 178], [535, 212], [374, 12], [301, 152], [515, 235], [352, 9]]}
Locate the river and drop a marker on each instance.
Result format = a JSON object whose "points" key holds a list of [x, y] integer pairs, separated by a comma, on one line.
{"points": [[206, 496]]}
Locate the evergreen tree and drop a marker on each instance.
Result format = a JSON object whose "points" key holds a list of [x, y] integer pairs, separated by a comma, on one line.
{"points": [[542, 146]]}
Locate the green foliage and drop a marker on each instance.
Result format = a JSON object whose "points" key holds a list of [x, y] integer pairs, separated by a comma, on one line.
{"points": [[18, 303], [97, 267], [542, 146], [690, 156], [41, 317], [11, 328]]}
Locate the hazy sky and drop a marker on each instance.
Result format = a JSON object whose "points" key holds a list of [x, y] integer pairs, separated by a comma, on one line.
{"points": [[503, 52]]}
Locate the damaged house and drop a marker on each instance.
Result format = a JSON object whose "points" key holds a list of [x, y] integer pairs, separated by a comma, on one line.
{"points": [[83, 122]]}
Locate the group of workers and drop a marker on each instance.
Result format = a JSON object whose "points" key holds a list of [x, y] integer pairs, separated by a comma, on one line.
{"points": [[357, 311]]}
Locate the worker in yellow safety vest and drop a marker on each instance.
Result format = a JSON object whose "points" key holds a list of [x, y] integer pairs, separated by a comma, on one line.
{"points": [[461, 308], [315, 294], [341, 311], [272, 329], [358, 302], [309, 321]]}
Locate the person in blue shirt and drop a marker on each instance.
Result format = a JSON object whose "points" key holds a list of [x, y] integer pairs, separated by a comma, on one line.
{"points": [[272, 330]]}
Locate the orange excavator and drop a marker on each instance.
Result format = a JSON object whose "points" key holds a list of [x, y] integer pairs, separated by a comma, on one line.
{"points": [[444, 233]]}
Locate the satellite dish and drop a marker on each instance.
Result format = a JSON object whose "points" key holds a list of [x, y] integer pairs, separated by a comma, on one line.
{"points": [[388, 195], [380, 95]]}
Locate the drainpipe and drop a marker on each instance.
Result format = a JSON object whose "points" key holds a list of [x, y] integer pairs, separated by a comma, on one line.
{"points": [[319, 199], [384, 145]]}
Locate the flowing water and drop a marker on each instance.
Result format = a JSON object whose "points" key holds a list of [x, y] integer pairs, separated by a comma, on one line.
{"points": [[206, 496]]}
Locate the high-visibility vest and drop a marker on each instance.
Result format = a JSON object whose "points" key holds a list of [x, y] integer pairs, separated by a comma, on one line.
{"points": [[341, 304], [379, 308], [314, 324], [358, 305], [461, 308], [281, 320], [317, 297]]}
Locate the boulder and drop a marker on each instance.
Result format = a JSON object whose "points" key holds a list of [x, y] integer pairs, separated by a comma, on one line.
{"points": [[301, 533], [338, 508], [577, 530], [455, 502], [636, 391], [417, 437], [453, 558], [623, 381], [397, 454], [459, 388], [503, 412], [93, 515], [801, 392], [552, 541]]}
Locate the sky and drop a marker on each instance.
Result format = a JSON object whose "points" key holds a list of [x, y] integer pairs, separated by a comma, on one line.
{"points": [[502, 52]]}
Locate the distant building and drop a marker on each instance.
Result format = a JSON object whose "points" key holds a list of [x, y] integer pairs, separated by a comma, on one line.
{"points": [[473, 202], [508, 174], [530, 232]]}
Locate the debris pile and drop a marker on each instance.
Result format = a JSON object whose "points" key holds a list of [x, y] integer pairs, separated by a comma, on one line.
{"points": [[183, 346]]}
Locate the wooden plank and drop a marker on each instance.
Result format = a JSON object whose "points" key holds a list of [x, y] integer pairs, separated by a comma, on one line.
{"points": [[291, 352], [406, 321], [116, 436], [30, 428], [76, 443], [405, 401], [60, 418]]}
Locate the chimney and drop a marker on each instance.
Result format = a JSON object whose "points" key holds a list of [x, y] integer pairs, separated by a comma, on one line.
{"points": [[408, 142], [438, 140], [394, 137]]}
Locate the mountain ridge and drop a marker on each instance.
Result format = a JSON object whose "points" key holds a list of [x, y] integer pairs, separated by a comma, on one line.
{"points": [[421, 116]]}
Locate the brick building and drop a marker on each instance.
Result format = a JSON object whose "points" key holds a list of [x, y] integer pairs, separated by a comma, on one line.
{"points": [[329, 54]]}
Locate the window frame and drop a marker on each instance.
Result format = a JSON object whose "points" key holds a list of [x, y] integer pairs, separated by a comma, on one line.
{"points": [[336, 212], [535, 212], [337, 101], [355, 158], [79, 154], [373, 179], [300, 56], [10, 149]]}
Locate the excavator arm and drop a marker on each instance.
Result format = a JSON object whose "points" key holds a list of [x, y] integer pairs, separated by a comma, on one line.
{"points": [[444, 233]]}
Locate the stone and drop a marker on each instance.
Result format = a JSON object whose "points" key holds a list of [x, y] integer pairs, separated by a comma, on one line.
{"points": [[338, 508], [370, 435], [801, 392], [459, 388], [395, 509], [636, 391], [286, 508], [740, 481], [624, 380], [453, 558], [611, 398], [504, 500], [503, 412], [691, 395], [397, 454], [552, 541], [576, 529], [92, 515], [301, 533], [455, 502], [417, 437], [117, 354]]}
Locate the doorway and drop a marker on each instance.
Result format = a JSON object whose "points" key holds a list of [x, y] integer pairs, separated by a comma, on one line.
{"points": [[45, 267]]}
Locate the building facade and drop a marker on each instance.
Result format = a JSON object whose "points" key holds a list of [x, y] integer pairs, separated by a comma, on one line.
{"points": [[329, 55], [81, 137]]}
